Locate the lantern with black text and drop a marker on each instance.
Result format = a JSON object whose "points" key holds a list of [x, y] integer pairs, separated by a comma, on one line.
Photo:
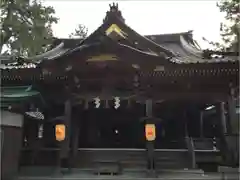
{"points": [[60, 132], [150, 132]]}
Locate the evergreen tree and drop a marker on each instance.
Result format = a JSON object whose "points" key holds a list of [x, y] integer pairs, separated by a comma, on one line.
{"points": [[80, 32], [26, 27], [230, 29]]}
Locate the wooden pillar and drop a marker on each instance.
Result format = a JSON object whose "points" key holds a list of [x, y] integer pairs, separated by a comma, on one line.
{"points": [[201, 124], [65, 144], [232, 116], [232, 136], [75, 138], [223, 118], [189, 141], [150, 144], [185, 123], [149, 112], [222, 130], [31, 135]]}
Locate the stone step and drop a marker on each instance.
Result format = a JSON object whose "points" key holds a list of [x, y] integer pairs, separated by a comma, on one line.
{"points": [[123, 177], [50, 173], [50, 170]]}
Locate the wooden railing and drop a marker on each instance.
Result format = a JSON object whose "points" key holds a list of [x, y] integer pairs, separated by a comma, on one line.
{"points": [[205, 143]]}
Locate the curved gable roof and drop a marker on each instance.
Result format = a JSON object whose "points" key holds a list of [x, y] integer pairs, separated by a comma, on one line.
{"points": [[179, 47]]}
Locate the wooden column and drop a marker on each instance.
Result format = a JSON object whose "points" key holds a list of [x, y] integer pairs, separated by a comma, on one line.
{"points": [[232, 136], [223, 118], [232, 116], [31, 135], [65, 144], [75, 138], [185, 123], [150, 144], [149, 112], [189, 141], [201, 124], [222, 131]]}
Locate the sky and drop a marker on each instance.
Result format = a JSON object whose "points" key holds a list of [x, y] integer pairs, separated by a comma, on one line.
{"points": [[146, 17]]}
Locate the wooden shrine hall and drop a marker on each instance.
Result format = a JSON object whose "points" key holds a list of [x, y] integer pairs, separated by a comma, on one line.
{"points": [[119, 101]]}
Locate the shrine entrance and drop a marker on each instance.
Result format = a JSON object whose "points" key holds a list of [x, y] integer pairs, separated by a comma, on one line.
{"points": [[116, 137], [123, 128], [111, 139], [112, 128]]}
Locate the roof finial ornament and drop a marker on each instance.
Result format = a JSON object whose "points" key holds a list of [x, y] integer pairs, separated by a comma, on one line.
{"points": [[113, 7], [114, 12]]}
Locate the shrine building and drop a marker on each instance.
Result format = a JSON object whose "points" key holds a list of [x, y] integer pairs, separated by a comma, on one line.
{"points": [[119, 102]]}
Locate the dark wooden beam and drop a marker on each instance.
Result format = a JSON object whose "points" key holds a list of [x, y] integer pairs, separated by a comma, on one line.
{"points": [[194, 96]]}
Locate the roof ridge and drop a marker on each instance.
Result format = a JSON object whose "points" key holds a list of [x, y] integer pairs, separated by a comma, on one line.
{"points": [[167, 34]]}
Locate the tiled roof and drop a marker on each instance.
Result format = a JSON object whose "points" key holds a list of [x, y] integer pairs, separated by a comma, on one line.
{"points": [[9, 62], [167, 38], [179, 43]]}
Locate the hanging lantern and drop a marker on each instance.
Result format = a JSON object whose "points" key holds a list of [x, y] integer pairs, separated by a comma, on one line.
{"points": [[60, 132], [150, 132]]}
